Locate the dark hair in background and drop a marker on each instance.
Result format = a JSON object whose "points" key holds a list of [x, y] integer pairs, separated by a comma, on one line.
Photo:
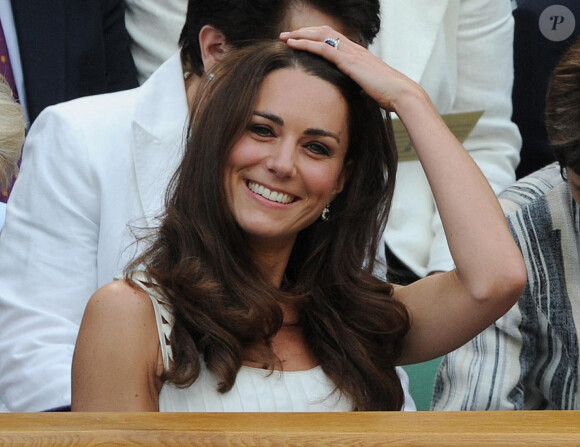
{"points": [[199, 259], [563, 109], [244, 21]]}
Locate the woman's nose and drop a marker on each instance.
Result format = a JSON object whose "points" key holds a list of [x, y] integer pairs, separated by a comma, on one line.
{"points": [[282, 160]]}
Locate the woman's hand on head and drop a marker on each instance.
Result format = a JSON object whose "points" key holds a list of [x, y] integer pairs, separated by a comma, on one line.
{"points": [[448, 309], [380, 81]]}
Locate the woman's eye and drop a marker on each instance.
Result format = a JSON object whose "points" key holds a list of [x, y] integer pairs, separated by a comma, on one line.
{"points": [[318, 149], [261, 130]]}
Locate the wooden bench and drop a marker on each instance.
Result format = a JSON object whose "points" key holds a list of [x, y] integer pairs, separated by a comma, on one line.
{"points": [[554, 428]]}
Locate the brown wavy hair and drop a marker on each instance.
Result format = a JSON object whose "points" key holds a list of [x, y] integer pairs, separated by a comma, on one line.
{"points": [[200, 260]]}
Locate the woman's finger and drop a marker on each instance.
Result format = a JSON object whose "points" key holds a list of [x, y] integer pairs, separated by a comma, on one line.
{"points": [[319, 35]]}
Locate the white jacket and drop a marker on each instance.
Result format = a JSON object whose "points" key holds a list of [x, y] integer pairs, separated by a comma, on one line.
{"points": [[89, 167], [461, 52]]}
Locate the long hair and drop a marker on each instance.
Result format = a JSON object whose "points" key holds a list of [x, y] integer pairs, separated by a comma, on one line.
{"points": [[200, 259]]}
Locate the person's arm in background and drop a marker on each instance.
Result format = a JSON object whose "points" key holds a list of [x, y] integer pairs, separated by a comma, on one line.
{"points": [[48, 247], [48, 264], [486, 373], [484, 82]]}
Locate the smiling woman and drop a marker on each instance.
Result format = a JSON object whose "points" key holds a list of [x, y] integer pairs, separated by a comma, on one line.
{"points": [[253, 296]]}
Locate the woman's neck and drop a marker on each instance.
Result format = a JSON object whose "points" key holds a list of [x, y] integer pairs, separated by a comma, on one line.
{"points": [[271, 259], [272, 266]]}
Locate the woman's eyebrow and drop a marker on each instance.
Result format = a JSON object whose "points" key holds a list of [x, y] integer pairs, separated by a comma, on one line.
{"points": [[321, 133], [270, 116], [313, 132]]}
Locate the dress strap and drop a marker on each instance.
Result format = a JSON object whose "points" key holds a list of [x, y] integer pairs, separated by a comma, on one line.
{"points": [[163, 314]]}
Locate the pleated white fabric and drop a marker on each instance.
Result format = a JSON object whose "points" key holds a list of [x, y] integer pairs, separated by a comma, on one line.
{"points": [[257, 390]]}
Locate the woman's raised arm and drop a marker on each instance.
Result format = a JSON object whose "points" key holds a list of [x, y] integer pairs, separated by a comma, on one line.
{"points": [[446, 309]]}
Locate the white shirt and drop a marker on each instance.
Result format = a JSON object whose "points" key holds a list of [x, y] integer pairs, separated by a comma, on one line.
{"points": [[154, 28]]}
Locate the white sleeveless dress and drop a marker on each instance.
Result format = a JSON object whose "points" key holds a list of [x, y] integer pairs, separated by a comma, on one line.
{"points": [[255, 389]]}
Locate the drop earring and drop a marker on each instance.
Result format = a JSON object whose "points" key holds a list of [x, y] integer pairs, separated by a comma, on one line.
{"points": [[325, 213]]}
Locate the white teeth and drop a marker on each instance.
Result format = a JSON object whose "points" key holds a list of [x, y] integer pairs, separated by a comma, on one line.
{"points": [[270, 195]]}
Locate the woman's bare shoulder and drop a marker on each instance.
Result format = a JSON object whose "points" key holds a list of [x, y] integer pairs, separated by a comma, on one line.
{"points": [[122, 309], [121, 296], [117, 352]]}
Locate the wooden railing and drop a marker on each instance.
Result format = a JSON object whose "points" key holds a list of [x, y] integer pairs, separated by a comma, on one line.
{"points": [[553, 428]]}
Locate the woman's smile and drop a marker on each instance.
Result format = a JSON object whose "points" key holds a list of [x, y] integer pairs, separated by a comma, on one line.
{"points": [[272, 195]]}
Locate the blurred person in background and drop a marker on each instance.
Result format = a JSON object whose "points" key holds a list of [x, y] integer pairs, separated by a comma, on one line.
{"points": [[529, 359]]}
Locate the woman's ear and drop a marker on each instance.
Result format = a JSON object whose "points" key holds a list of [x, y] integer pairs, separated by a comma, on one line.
{"points": [[213, 46]]}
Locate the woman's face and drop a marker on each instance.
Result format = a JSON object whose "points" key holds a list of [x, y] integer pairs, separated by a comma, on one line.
{"points": [[290, 161]]}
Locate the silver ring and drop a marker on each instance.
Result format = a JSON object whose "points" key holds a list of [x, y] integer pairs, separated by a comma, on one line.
{"points": [[333, 42]]}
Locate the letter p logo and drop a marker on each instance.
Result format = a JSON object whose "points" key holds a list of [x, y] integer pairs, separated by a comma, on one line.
{"points": [[557, 23]]}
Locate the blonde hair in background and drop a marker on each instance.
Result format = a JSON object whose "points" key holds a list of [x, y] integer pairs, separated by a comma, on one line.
{"points": [[12, 128]]}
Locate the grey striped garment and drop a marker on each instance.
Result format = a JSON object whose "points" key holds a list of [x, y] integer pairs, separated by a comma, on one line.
{"points": [[529, 358]]}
